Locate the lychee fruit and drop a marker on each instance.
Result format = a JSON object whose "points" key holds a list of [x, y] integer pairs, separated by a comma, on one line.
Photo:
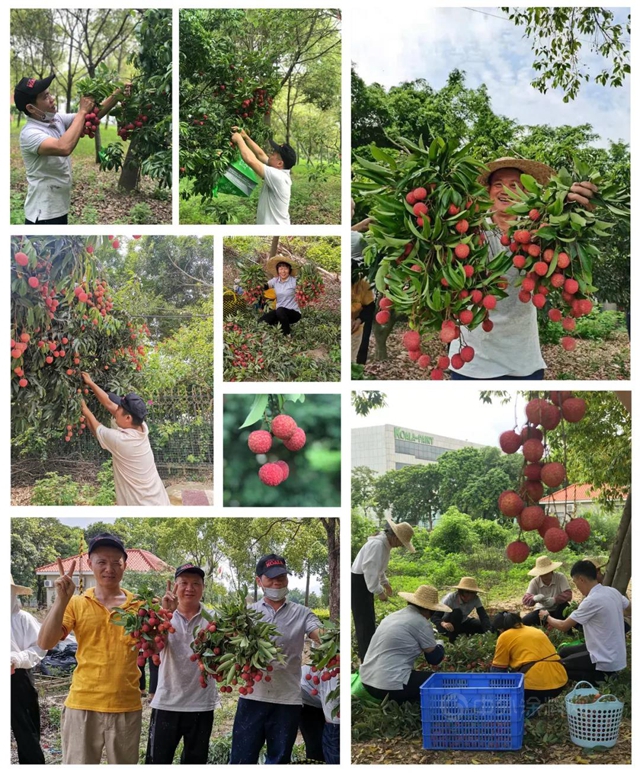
{"points": [[534, 410], [522, 237], [573, 409], [23, 382], [271, 474], [559, 397], [411, 340], [553, 474], [22, 259], [443, 362], [530, 433], [555, 539], [462, 226], [467, 353], [510, 441], [457, 362], [563, 260], [382, 317], [532, 491], [283, 426], [285, 469], [424, 361], [33, 282], [550, 522], [578, 530], [550, 416], [466, 316], [386, 303], [510, 504], [532, 471], [489, 302], [297, 440], [260, 441], [487, 325], [568, 343], [519, 261], [532, 450], [462, 251], [436, 374], [531, 518], [517, 551], [571, 286], [555, 315]]}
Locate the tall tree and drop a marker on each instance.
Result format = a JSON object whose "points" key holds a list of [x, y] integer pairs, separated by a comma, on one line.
{"points": [[410, 494]]}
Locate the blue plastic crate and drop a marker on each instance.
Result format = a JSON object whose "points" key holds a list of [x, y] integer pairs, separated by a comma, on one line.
{"points": [[473, 711]]}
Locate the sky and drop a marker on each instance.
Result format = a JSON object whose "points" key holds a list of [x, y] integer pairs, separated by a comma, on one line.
{"points": [[433, 41]]}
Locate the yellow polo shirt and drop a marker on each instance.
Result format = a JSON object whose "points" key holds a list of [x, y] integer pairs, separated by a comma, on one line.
{"points": [[107, 675], [522, 645]]}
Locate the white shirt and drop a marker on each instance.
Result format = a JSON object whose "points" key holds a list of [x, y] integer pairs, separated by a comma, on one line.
{"points": [[48, 177], [275, 194], [372, 561], [25, 652], [320, 700], [600, 614], [178, 677], [285, 292], [134, 469], [559, 584], [398, 641], [512, 348]]}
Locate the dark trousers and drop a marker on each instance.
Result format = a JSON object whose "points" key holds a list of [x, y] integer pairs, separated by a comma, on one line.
{"points": [[153, 677], [62, 220], [537, 375], [311, 726], [410, 692], [469, 627], [257, 722], [533, 617], [168, 727], [579, 665], [366, 315], [25, 718], [284, 317], [331, 743], [364, 616]]}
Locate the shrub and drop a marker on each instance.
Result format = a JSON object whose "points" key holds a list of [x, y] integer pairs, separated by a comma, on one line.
{"points": [[55, 489], [453, 532]]}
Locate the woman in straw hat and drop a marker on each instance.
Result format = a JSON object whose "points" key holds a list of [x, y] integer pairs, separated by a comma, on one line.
{"points": [[287, 311], [25, 654], [399, 639], [369, 579], [528, 651], [548, 590], [462, 600], [511, 350]]}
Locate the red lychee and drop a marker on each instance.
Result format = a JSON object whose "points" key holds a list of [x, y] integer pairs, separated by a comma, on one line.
{"points": [[260, 441], [462, 251], [557, 398], [532, 450], [411, 340], [467, 353], [555, 539], [573, 409], [550, 522], [530, 433], [271, 474], [510, 504], [382, 317], [531, 518], [532, 471], [571, 286], [555, 315], [424, 361], [297, 440], [285, 469], [517, 552], [532, 491], [568, 343], [21, 259], [283, 426], [510, 441], [553, 474], [578, 529]]}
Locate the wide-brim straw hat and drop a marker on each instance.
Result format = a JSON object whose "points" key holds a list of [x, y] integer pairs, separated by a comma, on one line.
{"points": [[270, 266], [598, 561], [404, 532], [21, 590], [544, 565], [539, 171], [468, 583], [426, 597]]}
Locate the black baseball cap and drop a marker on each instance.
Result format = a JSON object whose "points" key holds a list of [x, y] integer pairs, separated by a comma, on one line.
{"points": [[287, 153], [106, 540], [28, 89], [189, 568], [271, 565], [132, 403]]}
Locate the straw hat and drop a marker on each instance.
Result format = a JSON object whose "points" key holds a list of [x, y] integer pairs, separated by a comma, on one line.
{"points": [[21, 590], [270, 266], [597, 561], [467, 583], [404, 532], [540, 172], [544, 565], [426, 597]]}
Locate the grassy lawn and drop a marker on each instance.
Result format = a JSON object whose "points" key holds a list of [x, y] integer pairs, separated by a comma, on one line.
{"points": [[95, 197]]}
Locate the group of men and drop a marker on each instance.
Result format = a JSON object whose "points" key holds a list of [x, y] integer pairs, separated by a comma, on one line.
{"points": [[103, 711], [388, 652]]}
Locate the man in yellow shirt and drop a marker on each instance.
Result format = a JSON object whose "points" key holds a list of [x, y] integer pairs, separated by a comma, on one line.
{"points": [[103, 709]]}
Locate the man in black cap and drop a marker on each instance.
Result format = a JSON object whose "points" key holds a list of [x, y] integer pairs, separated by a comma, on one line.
{"points": [[134, 469], [181, 708], [272, 712], [275, 170], [46, 141], [103, 709]]}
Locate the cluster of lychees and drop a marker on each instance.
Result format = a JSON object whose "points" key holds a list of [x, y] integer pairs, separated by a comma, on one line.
{"points": [[318, 675], [148, 625], [91, 124], [309, 286], [260, 441], [523, 505]]}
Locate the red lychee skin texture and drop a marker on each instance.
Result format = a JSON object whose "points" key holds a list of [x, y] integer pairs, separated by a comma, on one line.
{"points": [[532, 471], [271, 474], [522, 237], [420, 208], [424, 361], [285, 469], [573, 409], [532, 491], [519, 261], [555, 315], [578, 530], [551, 416], [553, 474], [386, 303], [487, 325], [466, 317], [532, 450], [411, 340], [571, 286], [457, 362], [419, 194], [531, 518], [467, 353], [510, 504], [462, 251], [283, 426], [510, 441], [443, 362], [559, 397], [550, 522], [568, 343], [517, 552], [530, 433], [489, 302], [555, 540], [382, 317], [297, 440], [259, 442], [534, 410], [414, 355]]}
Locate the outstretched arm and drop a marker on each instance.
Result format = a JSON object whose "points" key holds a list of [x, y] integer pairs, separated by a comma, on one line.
{"points": [[90, 419], [248, 156], [103, 397], [110, 102]]}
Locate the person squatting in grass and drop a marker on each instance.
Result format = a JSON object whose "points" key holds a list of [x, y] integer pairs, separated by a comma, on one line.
{"points": [[511, 351], [47, 141], [369, 579], [548, 590], [462, 601], [399, 639], [103, 709], [527, 650], [320, 729], [25, 655], [600, 613], [275, 170], [181, 708], [272, 712], [136, 478], [287, 312]]}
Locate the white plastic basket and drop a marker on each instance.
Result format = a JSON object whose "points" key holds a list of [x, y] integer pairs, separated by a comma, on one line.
{"points": [[593, 724]]}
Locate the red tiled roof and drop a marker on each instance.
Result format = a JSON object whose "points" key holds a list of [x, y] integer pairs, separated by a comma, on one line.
{"points": [[138, 561], [582, 492]]}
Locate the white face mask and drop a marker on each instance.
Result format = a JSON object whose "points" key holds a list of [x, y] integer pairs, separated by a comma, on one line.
{"points": [[275, 594], [46, 117]]}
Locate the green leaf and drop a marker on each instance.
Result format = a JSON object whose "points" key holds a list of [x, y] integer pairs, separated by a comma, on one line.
{"points": [[530, 183], [257, 410]]}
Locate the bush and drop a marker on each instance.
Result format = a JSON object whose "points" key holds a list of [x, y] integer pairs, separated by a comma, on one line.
{"points": [[55, 489], [597, 326], [453, 532]]}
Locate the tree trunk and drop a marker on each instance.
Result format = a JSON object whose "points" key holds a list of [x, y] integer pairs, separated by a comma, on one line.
{"points": [[618, 572], [98, 144], [130, 174], [381, 333], [333, 547], [289, 112], [306, 590], [274, 246]]}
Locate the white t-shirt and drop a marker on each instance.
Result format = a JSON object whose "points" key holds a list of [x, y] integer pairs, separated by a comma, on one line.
{"points": [[48, 177], [512, 348], [285, 292], [600, 614], [25, 652], [273, 202], [398, 641], [134, 468], [320, 700], [372, 562]]}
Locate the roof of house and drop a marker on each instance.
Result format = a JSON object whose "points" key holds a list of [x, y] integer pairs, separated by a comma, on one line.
{"points": [[576, 492], [137, 561]]}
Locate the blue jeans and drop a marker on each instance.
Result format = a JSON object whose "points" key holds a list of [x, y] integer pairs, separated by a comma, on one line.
{"points": [[331, 743], [259, 721], [537, 375]]}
